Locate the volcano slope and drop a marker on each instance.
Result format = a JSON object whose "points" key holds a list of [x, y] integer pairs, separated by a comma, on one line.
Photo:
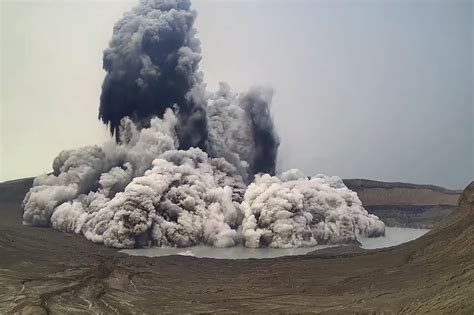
{"points": [[45, 271]]}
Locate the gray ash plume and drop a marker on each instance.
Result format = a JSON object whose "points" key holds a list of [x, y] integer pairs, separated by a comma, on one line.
{"points": [[153, 187], [152, 64]]}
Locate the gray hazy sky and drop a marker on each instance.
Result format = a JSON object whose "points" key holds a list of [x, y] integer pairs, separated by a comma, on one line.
{"points": [[371, 89]]}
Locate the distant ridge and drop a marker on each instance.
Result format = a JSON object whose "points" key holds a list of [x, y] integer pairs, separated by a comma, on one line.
{"points": [[15, 190], [405, 204], [368, 183]]}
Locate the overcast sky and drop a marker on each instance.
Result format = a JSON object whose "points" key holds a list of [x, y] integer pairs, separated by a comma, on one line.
{"points": [[363, 89]]}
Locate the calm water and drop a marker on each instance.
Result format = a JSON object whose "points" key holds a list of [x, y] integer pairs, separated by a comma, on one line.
{"points": [[237, 252], [394, 236]]}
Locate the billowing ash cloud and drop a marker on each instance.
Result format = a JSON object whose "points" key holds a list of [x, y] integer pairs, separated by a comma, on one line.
{"points": [[144, 191], [106, 169], [293, 210], [185, 199], [152, 65], [241, 129], [178, 171]]}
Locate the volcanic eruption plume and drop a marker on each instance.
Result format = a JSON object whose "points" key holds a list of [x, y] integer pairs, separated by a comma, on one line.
{"points": [[152, 64], [186, 166]]}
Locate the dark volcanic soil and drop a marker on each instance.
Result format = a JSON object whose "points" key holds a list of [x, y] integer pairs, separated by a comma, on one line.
{"points": [[46, 271]]}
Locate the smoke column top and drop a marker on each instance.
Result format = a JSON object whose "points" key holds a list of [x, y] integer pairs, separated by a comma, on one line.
{"points": [[152, 64]]}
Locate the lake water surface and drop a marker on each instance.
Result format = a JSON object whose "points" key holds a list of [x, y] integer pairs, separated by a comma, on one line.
{"points": [[394, 236]]}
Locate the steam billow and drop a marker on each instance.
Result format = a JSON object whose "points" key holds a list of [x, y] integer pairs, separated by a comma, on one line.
{"points": [[185, 166]]}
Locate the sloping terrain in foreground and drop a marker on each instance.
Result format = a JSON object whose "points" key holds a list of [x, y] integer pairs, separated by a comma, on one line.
{"points": [[43, 271]]}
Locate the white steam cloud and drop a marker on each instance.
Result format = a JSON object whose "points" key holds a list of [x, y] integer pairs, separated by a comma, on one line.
{"points": [[295, 211], [146, 192]]}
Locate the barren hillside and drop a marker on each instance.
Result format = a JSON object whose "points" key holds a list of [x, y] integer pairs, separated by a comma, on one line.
{"points": [[403, 204]]}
